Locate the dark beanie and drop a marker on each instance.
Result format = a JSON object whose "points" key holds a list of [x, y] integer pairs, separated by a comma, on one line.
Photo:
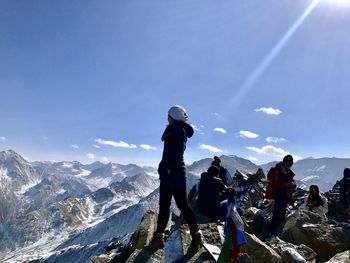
{"points": [[288, 159], [346, 172], [217, 159]]}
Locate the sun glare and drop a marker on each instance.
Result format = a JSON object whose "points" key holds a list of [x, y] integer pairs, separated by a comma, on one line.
{"points": [[337, 3]]}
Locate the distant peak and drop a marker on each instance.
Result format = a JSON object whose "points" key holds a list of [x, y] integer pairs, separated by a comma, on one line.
{"points": [[11, 154]]}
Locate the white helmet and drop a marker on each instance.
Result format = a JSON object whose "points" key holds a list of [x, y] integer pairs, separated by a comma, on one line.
{"points": [[178, 113]]}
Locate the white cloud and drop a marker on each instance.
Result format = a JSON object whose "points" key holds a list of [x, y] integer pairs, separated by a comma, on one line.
{"points": [[272, 151], [275, 140], [253, 159], [269, 150], [119, 144], [217, 115], [96, 146], [222, 130], [210, 148], [90, 156], [196, 128], [2, 138], [248, 134], [147, 147], [75, 146], [105, 159], [269, 110]]}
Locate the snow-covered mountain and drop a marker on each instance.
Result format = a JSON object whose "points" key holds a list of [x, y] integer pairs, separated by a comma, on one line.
{"points": [[58, 210], [111, 173], [45, 199], [230, 162], [16, 172]]}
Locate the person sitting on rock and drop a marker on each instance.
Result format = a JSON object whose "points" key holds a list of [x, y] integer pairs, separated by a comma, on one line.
{"points": [[224, 174], [212, 192], [316, 203], [344, 191]]}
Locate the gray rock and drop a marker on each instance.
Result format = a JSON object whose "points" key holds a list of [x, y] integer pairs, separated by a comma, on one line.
{"points": [[258, 251], [343, 257], [291, 253], [304, 227], [144, 233]]}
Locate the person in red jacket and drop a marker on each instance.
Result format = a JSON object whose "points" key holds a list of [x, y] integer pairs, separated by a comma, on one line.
{"points": [[281, 185]]}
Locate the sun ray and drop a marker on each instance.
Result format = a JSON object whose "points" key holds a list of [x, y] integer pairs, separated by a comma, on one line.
{"points": [[268, 59]]}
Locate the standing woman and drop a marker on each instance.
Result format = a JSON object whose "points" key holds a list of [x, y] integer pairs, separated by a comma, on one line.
{"points": [[172, 175]]}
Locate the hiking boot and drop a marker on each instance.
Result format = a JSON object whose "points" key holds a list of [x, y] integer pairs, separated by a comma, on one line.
{"points": [[196, 242], [157, 241]]}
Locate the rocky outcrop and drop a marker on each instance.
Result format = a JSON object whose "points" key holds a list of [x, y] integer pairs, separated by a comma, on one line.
{"points": [[304, 227], [144, 233], [293, 254], [258, 251], [343, 257]]}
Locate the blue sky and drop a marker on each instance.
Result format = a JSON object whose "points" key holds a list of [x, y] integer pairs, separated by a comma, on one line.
{"points": [[93, 80]]}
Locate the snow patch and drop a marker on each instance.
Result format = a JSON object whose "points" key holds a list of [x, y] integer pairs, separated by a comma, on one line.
{"points": [[67, 165], [323, 167], [309, 178], [173, 248], [43, 248], [3, 174], [26, 187], [309, 225], [297, 258]]}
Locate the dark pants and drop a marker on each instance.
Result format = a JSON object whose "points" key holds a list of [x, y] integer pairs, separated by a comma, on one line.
{"points": [[177, 189], [278, 216]]}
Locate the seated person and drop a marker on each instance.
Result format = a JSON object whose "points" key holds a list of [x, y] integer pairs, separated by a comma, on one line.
{"points": [[224, 174], [344, 191], [316, 203], [211, 192]]}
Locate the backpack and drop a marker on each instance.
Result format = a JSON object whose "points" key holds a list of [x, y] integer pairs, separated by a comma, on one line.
{"points": [[272, 179]]}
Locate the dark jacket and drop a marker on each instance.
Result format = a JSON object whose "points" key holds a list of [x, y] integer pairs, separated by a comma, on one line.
{"points": [[211, 192], [344, 190], [172, 165], [223, 175]]}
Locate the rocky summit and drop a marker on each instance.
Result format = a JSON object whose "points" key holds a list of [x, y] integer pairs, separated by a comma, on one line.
{"points": [[304, 238]]}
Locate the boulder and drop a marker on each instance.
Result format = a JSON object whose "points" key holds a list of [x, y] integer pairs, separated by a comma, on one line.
{"points": [[304, 227], [343, 257], [176, 246], [145, 256], [210, 234], [250, 212], [258, 251], [143, 235], [259, 224], [100, 259], [245, 258], [291, 253]]}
